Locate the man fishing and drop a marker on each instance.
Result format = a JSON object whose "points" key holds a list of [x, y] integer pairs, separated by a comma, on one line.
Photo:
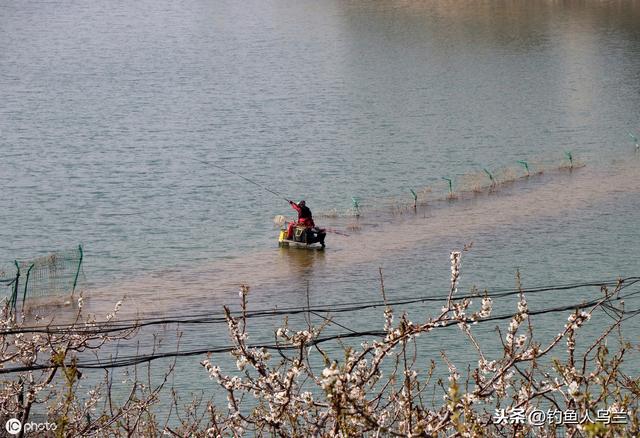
{"points": [[304, 214], [305, 219]]}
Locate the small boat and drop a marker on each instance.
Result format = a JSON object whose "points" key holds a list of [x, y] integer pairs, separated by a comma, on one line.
{"points": [[303, 237]]}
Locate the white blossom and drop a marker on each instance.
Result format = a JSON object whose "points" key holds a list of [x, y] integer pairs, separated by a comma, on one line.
{"points": [[573, 389]]}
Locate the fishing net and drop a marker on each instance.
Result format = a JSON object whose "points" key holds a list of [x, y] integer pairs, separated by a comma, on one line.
{"points": [[58, 274], [465, 185], [7, 283], [279, 220]]}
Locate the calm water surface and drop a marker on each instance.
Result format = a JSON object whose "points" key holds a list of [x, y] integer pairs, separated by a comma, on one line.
{"points": [[105, 108]]}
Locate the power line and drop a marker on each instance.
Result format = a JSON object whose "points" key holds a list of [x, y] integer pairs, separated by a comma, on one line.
{"points": [[206, 318], [124, 361]]}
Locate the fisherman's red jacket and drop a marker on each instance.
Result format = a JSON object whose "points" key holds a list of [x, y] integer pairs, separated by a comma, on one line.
{"points": [[304, 215]]}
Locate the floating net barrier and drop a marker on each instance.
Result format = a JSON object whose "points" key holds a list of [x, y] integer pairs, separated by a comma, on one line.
{"points": [[451, 188], [56, 276], [8, 285]]}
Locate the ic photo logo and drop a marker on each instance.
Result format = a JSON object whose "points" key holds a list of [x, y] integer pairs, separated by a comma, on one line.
{"points": [[13, 426]]}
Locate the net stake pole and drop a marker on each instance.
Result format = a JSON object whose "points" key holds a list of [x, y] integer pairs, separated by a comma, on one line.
{"points": [[415, 199], [570, 157], [356, 205], [493, 182], [524, 164], [75, 280], [26, 283], [14, 296], [450, 186]]}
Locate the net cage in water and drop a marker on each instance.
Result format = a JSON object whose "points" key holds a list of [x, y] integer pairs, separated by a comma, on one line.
{"points": [[46, 279]]}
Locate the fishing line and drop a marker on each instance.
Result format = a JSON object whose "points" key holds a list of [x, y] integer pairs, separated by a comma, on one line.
{"points": [[338, 232], [273, 192], [279, 195]]}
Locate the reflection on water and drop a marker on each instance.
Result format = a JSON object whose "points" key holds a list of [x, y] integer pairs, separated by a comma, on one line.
{"points": [[301, 262]]}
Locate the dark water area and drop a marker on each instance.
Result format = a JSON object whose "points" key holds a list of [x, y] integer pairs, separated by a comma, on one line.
{"points": [[107, 108]]}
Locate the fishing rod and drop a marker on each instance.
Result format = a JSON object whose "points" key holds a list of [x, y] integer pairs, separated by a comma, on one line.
{"points": [[279, 195]]}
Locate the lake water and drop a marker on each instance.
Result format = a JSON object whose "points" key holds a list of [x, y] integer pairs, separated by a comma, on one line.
{"points": [[106, 108]]}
